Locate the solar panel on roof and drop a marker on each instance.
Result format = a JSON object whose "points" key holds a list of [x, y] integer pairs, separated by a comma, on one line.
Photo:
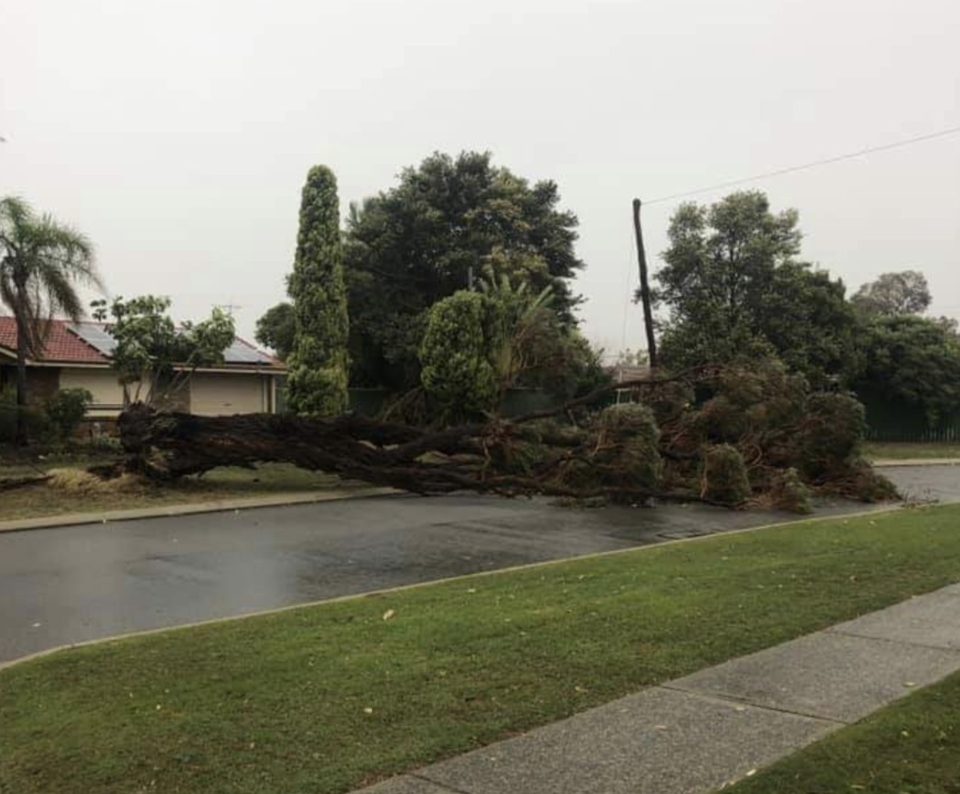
{"points": [[239, 353], [95, 336]]}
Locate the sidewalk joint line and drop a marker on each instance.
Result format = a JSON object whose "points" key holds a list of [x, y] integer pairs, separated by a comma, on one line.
{"points": [[908, 643], [752, 703], [433, 782]]}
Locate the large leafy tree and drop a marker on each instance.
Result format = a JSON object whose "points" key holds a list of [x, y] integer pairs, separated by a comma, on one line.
{"points": [[420, 241], [906, 292], [735, 289], [808, 321], [319, 362], [42, 263], [912, 364], [277, 329]]}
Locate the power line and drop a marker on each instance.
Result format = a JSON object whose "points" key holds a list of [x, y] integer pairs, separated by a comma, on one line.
{"points": [[814, 164], [780, 172]]}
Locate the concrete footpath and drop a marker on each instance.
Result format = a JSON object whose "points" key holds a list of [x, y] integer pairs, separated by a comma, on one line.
{"points": [[707, 730]]}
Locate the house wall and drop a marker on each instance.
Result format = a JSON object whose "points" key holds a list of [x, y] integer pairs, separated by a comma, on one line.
{"points": [[177, 399], [101, 383], [221, 394], [205, 393]]}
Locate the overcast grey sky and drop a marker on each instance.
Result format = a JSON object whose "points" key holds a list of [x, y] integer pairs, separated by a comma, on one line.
{"points": [[177, 134]]}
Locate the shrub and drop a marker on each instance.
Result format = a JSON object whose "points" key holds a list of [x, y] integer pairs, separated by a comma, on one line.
{"points": [[66, 410], [523, 450], [104, 443], [748, 402], [777, 424], [787, 492], [868, 485], [8, 417], [830, 437], [456, 374], [39, 427], [670, 401], [628, 443], [723, 476], [624, 454]]}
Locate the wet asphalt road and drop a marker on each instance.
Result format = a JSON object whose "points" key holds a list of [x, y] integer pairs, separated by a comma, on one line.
{"points": [[926, 483], [60, 586]]}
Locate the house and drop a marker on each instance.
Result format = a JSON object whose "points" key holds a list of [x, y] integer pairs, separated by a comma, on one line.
{"points": [[77, 355], [623, 373]]}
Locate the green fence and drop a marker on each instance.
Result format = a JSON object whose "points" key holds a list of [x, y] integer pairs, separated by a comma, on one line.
{"points": [[905, 423], [525, 401], [366, 402], [370, 402], [897, 431]]}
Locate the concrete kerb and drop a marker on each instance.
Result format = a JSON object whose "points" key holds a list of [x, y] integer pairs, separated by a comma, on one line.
{"points": [[434, 582], [285, 500], [198, 508], [893, 463]]}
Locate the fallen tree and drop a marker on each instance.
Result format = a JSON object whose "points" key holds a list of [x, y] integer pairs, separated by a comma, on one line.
{"points": [[724, 436]]}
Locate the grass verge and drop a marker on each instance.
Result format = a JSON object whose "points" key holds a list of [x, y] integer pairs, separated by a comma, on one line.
{"points": [[44, 500], [904, 451], [913, 746], [329, 697]]}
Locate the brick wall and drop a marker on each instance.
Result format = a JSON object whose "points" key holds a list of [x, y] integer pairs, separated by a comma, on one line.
{"points": [[42, 383]]}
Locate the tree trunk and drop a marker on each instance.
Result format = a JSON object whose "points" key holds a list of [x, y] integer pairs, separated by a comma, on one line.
{"points": [[21, 434], [485, 457]]}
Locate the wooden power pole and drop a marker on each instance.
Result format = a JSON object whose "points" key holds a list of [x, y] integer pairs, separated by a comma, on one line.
{"points": [[644, 287]]}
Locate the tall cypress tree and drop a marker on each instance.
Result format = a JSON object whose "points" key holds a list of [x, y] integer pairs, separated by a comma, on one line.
{"points": [[319, 363]]}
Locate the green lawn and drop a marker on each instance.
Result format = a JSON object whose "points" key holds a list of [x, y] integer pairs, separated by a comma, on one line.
{"points": [[226, 483], [912, 746], [902, 451], [326, 698]]}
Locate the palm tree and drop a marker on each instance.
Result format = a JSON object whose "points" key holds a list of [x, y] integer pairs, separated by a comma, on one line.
{"points": [[514, 323], [41, 264]]}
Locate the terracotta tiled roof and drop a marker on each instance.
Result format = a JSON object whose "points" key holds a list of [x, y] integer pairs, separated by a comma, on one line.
{"points": [[65, 346], [61, 345]]}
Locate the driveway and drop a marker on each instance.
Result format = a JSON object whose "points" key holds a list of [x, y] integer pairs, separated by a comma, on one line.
{"points": [[60, 586]]}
